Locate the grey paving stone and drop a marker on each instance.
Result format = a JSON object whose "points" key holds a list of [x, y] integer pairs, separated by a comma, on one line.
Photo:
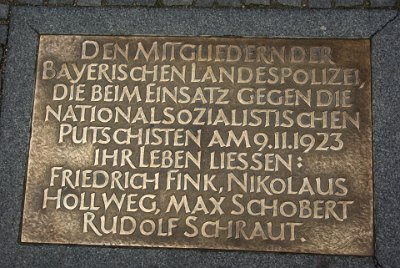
{"points": [[290, 2], [349, 3], [257, 2], [177, 2], [4, 11], [3, 33], [88, 2], [319, 3], [120, 2], [145, 2], [61, 2], [30, 2], [386, 102], [204, 3], [229, 3], [383, 3]]}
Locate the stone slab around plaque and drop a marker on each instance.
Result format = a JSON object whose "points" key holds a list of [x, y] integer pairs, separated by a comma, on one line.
{"points": [[29, 23]]}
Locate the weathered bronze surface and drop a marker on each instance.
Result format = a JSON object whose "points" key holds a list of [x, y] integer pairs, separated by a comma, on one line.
{"points": [[202, 142]]}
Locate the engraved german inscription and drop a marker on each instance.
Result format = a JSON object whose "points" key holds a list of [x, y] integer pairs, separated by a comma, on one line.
{"points": [[202, 142]]}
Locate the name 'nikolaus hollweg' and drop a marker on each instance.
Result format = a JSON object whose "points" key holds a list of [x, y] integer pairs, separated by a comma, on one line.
{"points": [[316, 200]]}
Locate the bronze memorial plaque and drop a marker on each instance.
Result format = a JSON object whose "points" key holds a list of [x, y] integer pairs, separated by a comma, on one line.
{"points": [[202, 142]]}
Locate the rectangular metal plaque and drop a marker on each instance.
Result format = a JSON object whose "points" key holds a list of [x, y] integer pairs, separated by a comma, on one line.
{"points": [[202, 142]]}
